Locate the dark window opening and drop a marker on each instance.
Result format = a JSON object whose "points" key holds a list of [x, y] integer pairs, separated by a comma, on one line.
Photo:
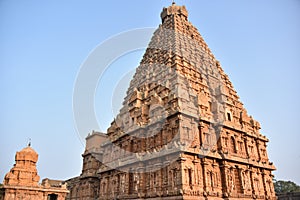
{"points": [[211, 179], [52, 197], [131, 184], [233, 145], [228, 116], [190, 176]]}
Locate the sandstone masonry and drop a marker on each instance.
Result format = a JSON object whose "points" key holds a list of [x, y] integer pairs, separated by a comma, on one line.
{"points": [[22, 182], [182, 132]]}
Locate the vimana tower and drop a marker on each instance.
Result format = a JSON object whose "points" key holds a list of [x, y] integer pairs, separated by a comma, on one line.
{"points": [[182, 132]]}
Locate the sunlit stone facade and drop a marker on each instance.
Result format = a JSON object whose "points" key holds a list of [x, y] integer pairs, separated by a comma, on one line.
{"points": [[182, 132], [22, 182]]}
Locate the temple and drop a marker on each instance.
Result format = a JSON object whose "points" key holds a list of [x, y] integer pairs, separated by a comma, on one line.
{"points": [[22, 181], [182, 132]]}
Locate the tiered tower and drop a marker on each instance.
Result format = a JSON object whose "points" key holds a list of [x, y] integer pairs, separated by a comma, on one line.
{"points": [[182, 132], [24, 172], [22, 181]]}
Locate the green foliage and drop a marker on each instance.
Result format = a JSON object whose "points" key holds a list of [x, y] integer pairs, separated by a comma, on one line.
{"points": [[285, 186]]}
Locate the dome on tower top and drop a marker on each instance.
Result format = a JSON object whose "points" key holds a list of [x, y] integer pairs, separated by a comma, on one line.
{"points": [[27, 154], [174, 10], [28, 149]]}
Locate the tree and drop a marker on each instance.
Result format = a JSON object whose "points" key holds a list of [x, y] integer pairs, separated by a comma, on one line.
{"points": [[285, 186]]}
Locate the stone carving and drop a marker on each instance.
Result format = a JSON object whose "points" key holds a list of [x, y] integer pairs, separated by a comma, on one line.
{"points": [[181, 106], [24, 171], [22, 182]]}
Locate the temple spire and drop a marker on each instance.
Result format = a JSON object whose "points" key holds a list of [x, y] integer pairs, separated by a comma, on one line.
{"points": [[174, 9]]}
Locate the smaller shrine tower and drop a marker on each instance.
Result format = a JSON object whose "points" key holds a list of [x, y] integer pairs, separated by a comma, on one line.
{"points": [[22, 181]]}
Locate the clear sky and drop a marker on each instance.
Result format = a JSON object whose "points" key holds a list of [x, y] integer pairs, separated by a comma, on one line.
{"points": [[44, 43]]}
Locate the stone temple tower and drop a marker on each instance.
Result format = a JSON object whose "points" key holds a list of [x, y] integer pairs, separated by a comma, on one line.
{"points": [[22, 181], [182, 132]]}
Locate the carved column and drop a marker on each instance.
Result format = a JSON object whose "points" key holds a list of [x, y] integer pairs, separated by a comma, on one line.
{"points": [[224, 171], [264, 180], [141, 181], [258, 150], [158, 179], [246, 147], [204, 168]]}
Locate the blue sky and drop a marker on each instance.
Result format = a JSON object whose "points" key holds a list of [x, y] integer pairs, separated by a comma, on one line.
{"points": [[44, 43]]}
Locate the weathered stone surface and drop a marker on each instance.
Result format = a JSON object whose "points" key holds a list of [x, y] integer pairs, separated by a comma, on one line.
{"points": [[24, 172], [182, 132], [22, 182]]}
